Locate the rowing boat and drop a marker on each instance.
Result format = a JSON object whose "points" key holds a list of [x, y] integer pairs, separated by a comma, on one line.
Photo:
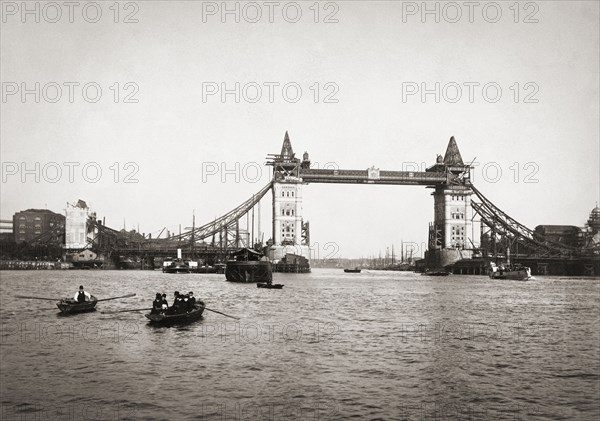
{"points": [[436, 273], [165, 319], [267, 285], [70, 306]]}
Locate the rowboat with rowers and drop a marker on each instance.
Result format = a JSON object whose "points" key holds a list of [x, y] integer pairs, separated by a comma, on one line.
{"points": [[166, 319], [73, 306]]}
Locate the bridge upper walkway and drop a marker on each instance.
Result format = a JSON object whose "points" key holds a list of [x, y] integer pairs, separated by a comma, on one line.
{"points": [[419, 178]]}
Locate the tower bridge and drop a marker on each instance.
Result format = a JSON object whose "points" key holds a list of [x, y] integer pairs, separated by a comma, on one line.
{"points": [[452, 233]]}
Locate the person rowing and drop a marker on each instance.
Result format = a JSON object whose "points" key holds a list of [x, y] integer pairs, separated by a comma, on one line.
{"points": [[157, 304], [165, 303], [82, 295]]}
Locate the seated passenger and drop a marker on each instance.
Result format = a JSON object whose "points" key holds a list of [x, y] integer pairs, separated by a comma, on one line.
{"points": [[165, 304], [185, 303], [191, 301], [157, 304], [177, 303]]}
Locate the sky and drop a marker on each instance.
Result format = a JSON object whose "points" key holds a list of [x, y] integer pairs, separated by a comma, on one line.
{"points": [[129, 114]]}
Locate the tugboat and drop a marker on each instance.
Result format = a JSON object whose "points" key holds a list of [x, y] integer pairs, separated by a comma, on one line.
{"points": [[512, 272], [247, 265], [176, 265], [515, 272]]}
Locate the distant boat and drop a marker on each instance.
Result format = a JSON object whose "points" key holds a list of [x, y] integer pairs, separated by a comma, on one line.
{"points": [[86, 259], [400, 267], [203, 269], [88, 264], [128, 263], [511, 272], [436, 273], [268, 285], [176, 266], [355, 270]]}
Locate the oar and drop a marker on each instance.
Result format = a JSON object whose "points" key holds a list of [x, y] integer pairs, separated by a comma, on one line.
{"points": [[114, 298], [38, 298], [125, 311], [227, 315]]}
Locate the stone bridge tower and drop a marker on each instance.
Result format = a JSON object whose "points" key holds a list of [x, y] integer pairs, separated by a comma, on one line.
{"points": [[290, 233], [451, 232]]}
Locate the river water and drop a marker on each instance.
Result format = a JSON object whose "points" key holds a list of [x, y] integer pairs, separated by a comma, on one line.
{"points": [[329, 346]]}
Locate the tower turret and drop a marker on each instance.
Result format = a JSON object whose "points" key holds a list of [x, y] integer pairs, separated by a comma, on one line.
{"points": [[305, 160], [452, 156], [594, 221], [287, 153]]}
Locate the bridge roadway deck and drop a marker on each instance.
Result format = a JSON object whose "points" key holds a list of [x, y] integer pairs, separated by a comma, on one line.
{"points": [[418, 178], [156, 249]]}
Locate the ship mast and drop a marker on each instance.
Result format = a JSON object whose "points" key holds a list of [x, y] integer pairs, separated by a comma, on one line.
{"points": [[401, 251], [193, 229]]}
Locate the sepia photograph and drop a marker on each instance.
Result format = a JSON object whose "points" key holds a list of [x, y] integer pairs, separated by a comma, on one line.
{"points": [[299, 210]]}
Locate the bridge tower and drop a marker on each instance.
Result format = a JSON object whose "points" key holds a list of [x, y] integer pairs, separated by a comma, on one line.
{"points": [[290, 232], [451, 234]]}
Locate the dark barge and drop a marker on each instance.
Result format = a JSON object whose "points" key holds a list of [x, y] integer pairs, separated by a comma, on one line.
{"points": [[247, 265], [292, 263]]}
